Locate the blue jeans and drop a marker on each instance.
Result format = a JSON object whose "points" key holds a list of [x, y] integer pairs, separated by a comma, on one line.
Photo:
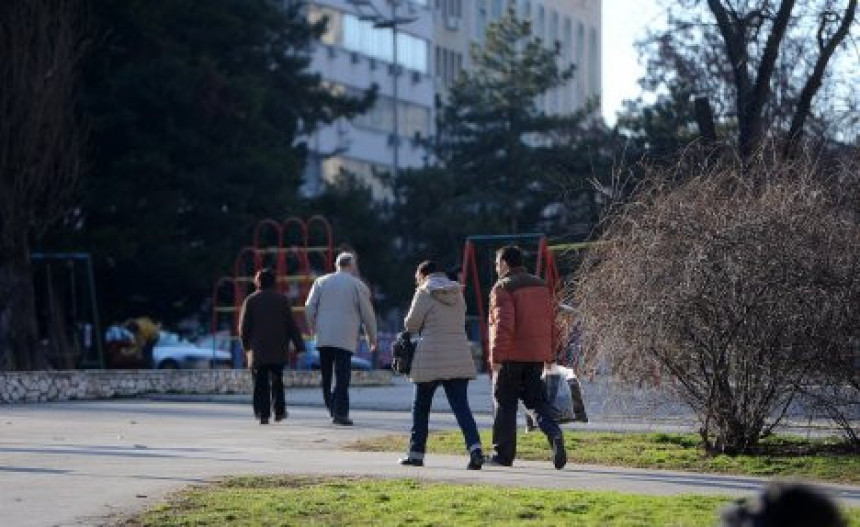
{"points": [[337, 400], [456, 392]]}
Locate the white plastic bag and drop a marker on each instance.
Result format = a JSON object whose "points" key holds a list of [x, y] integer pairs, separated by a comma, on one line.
{"points": [[558, 394]]}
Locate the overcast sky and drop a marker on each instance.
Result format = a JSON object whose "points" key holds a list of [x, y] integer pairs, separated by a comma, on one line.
{"points": [[623, 22]]}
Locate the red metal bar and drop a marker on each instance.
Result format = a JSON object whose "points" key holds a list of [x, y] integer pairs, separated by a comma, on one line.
{"points": [[258, 234], [215, 298], [470, 265], [329, 262], [240, 287]]}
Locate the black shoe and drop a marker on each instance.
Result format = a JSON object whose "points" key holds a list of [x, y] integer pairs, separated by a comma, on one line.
{"points": [[476, 460], [264, 420], [280, 417], [494, 461], [342, 421], [559, 456], [411, 462]]}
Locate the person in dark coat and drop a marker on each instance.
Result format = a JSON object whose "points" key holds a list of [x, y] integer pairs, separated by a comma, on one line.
{"points": [[266, 325]]}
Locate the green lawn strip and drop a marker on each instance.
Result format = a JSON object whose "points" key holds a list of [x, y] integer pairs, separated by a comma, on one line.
{"points": [[251, 501], [788, 457]]}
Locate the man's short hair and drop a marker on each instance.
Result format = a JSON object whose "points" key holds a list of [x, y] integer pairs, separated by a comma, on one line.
{"points": [[427, 267], [511, 255], [266, 278], [344, 260]]}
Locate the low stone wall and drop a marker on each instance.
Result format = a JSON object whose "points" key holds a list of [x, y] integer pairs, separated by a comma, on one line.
{"points": [[44, 386]]}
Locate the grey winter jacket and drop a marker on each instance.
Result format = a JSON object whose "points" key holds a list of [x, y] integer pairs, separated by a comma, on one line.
{"points": [[337, 306], [438, 312]]}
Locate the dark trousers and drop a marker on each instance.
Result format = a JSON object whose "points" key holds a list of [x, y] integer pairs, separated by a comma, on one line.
{"points": [[269, 387], [456, 390], [336, 360], [514, 382]]}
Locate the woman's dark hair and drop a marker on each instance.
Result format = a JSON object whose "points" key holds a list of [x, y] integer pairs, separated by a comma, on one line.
{"points": [[266, 278], [512, 255], [427, 267]]}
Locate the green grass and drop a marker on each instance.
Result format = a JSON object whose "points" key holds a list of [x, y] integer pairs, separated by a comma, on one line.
{"points": [[252, 501], [786, 457]]}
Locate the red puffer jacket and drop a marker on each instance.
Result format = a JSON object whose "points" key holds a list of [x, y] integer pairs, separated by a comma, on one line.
{"points": [[521, 319]]}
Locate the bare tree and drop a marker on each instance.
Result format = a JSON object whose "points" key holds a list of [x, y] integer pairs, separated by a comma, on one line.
{"points": [[737, 282], [41, 148], [758, 65]]}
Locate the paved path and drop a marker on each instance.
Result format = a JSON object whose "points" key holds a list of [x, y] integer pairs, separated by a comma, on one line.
{"points": [[79, 463]]}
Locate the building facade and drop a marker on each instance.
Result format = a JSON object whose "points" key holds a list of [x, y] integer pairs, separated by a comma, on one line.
{"points": [[434, 38], [574, 24], [354, 54]]}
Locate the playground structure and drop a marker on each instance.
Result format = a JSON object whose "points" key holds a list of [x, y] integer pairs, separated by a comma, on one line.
{"points": [[67, 310], [478, 272], [297, 250]]}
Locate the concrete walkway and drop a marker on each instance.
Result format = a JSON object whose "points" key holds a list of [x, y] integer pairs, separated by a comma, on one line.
{"points": [[81, 463]]}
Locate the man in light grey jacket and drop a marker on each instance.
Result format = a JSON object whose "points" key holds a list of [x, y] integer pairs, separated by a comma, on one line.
{"points": [[338, 304]]}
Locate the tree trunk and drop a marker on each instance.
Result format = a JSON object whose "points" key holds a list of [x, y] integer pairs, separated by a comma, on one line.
{"points": [[19, 349]]}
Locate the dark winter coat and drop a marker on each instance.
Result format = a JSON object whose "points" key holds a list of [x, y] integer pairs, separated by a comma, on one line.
{"points": [[266, 325]]}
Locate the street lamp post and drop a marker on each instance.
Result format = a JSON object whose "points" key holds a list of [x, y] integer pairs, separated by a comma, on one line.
{"points": [[392, 22]]}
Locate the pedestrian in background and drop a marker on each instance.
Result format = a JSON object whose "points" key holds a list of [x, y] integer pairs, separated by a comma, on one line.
{"points": [[442, 358], [337, 306], [521, 344], [266, 327]]}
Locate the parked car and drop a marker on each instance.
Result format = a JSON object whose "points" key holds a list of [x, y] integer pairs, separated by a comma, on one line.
{"points": [[310, 359], [223, 341], [173, 352], [383, 354]]}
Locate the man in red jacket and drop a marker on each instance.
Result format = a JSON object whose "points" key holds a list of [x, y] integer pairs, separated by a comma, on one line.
{"points": [[521, 343]]}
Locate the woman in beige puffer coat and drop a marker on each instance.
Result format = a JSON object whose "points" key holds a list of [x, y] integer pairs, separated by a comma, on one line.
{"points": [[442, 358]]}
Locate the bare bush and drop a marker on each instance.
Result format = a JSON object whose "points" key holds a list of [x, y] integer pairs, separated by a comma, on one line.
{"points": [[738, 283]]}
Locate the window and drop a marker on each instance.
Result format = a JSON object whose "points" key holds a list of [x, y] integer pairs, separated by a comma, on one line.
{"points": [[360, 36], [567, 55], [497, 9], [541, 23], [567, 44], [593, 62], [525, 9], [333, 35], [480, 18], [553, 28]]}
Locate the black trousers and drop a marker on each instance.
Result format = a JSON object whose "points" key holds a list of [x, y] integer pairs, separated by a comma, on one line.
{"points": [[514, 382], [337, 361], [269, 389]]}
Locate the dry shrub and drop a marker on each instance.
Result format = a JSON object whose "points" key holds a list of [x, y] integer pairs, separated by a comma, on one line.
{"points": [[738, 285]]}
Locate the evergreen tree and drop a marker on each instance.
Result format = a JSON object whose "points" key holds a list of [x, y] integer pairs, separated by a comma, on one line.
{"points": [[504, 165], [198, 110]]}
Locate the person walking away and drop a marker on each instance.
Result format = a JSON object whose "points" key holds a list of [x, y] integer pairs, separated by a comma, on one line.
{"points": [[521, 344], [266, 327], [442, 358], [338, 304]]}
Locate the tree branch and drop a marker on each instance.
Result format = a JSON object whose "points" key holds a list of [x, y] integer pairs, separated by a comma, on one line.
{"points": [[813, 83]]}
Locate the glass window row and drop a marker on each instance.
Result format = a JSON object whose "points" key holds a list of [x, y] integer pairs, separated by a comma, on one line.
{"points": [[346, 30]]}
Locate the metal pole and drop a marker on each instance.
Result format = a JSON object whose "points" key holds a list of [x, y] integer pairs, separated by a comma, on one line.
{"points": [[394, 92], [97, 329]]}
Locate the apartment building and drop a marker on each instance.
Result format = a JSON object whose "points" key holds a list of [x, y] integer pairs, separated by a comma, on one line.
{"points": [[574, 24], [357, 51], [434, 38]]}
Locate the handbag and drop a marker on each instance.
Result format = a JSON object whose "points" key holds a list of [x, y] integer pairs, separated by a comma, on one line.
{"points": [[402, 352], [558, 394]]}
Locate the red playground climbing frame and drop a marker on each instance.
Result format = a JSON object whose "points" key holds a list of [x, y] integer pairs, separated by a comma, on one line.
{"points": [[297, 250]]}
